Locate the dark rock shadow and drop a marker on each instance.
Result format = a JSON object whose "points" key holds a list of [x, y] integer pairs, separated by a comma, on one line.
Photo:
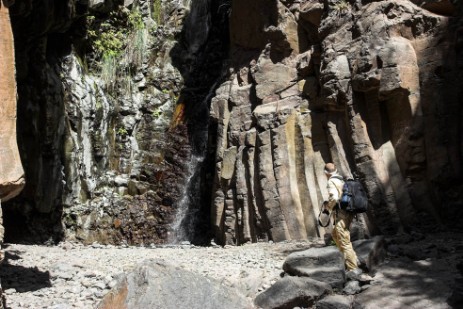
{"points": [[22, 279], [43, 32]]}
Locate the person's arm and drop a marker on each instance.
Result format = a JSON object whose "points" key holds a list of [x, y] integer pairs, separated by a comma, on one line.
{"points": [[333, 195]]}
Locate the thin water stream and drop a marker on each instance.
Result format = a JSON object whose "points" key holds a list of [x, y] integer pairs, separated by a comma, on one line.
{"points": [[200, 58]]}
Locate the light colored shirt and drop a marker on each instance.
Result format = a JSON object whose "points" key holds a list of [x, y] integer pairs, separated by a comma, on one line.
{"points": [[334, 187]]}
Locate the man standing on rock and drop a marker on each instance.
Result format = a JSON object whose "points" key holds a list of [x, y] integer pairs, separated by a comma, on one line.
{"points": [[342, 220]]}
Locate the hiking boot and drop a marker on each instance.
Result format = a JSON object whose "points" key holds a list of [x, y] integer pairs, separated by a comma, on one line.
{"points": [[358, 275]]}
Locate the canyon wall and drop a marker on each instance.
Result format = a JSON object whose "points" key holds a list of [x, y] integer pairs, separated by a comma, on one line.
{"points": [[369, 85], [102, 163], [11, 170], [133, 112]]}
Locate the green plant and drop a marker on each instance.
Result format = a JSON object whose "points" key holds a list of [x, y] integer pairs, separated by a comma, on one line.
{"points": [[136, 48], [156, 114], [109, 69], [83, 64], [122, 131], [119, 42], [109, 44], [135, 20], [342, 6], [157, 12]]}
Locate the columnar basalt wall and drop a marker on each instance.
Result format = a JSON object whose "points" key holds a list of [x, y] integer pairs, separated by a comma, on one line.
{"points": [[368, 85]]}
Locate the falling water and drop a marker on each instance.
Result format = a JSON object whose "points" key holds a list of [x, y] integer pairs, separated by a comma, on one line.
{"points": [[203, 38], [185, 219], [187, 216]]}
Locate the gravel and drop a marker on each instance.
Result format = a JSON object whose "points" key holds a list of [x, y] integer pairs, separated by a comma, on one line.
{"points": [[71, 275]]}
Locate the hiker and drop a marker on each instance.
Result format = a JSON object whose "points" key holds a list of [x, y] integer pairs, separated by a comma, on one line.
{"points": [[342, 220]]}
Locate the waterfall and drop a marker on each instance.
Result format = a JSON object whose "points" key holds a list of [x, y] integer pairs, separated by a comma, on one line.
{"points": [[204, 36], [185, 218]]}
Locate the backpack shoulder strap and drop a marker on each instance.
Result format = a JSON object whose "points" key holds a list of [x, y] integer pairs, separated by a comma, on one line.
{"points": [[338, 177]]}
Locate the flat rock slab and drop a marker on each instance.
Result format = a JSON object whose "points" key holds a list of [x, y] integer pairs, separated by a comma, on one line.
{"points": [[323, 264], [155, 284], [370, 252], [290, 292]]}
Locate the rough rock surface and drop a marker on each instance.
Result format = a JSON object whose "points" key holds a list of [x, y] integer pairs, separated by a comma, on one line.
{"points": [[358, 83], [290, 292], [155, 284], [370, 252], [322, 264], [11, 170], [335, 302], [101, 117], [419, 269], [370, 85], [72, 275]]}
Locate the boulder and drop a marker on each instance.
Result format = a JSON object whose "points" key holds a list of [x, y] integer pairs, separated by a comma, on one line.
{"points": [[335, 302], [155, 284], [290, 292], [312, 12], [324, 264], [370, 252], [352, 287]]}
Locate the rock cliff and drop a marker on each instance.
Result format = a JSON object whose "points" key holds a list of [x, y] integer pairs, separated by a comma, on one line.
{"points": [[369, 85], [104, 90], [130, 112], [11, 171]]}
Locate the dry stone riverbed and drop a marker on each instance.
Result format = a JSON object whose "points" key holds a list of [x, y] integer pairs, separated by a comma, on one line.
{"points": [[419, 271], [75, 276]]}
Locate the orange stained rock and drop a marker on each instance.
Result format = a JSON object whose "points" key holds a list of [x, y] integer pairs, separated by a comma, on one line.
{"points": [[179, 115], [11, 170]]}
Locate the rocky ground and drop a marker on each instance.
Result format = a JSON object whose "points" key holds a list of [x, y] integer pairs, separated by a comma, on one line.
{"points": [[419, 271]]}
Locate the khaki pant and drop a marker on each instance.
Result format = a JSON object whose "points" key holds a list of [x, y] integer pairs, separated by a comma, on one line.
{"points": [[341, 236]]}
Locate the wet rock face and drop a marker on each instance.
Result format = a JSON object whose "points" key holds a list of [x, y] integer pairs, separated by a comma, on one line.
{"points": [[360, 84], [102, 161]]}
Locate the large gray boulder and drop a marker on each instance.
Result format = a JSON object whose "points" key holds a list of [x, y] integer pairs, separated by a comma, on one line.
{"points": [[324, 264], [155, 284], [290, 292]]}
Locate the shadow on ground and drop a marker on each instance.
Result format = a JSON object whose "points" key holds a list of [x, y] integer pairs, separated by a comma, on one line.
{"points": [[22, 279]]}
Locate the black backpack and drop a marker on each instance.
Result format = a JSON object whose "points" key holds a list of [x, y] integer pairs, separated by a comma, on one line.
{"points": [[354, 199]]}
